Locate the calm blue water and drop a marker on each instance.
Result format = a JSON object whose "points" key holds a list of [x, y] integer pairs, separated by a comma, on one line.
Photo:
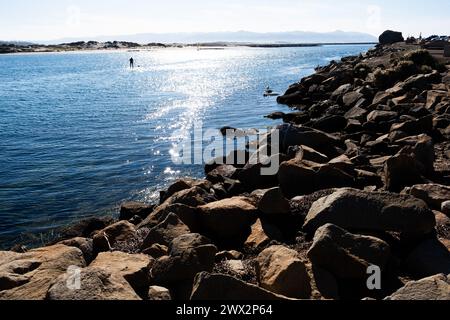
{"points": [[80, 133]]}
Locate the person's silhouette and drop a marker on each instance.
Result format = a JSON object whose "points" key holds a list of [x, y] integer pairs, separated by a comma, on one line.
{"points": [[131, 63]]}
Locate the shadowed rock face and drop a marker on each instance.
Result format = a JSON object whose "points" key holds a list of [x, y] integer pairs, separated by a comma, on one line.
{"points": [[390, 37], [347, 255], [378, 211]]}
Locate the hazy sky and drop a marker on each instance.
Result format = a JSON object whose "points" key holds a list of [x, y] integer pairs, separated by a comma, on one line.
{"points": [[54, 19]]}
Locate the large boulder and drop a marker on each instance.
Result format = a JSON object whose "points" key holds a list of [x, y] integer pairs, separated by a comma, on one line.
{"points": [[297, 177], [164, 233], [28, 276], [95, 284], [291, 135], [104, 240], [347, 255], [390, 37], [228, 221], [134, 268], [280, 270], [215, 287], [378, 211], [433, 288]]}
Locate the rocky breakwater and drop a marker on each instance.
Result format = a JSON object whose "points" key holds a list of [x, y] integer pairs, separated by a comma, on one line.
{"points": [[362, 185]]}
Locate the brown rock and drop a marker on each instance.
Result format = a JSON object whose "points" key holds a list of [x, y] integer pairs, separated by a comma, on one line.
{"points": [[431, 257], [105, 239], [132, 209], [261, 235], [433, 194], [95, 284], [156, 293], [281, 271], [28, 276], [134, 268], [228, 221], [432, 288], [273, 202]]}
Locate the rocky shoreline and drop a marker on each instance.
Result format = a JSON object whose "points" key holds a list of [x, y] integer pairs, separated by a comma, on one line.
{"points": [[363, 182]]}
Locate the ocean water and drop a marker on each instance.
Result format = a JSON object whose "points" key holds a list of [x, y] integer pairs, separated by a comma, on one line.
{"points": [[80, 132]]}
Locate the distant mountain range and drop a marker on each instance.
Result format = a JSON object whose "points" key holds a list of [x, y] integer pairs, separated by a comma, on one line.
{"points": [[239, 36]]}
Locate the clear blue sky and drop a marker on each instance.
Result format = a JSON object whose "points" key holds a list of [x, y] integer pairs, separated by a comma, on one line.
{"points": [[54, 19]]}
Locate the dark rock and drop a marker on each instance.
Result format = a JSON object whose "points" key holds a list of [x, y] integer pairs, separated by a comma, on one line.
{"points": [[132, 209], [347, 255], [85, 228], [304, 177], [431, 257], [390, 37], [377, 211], [164, 233], [273, 202], [433, 194], [401, 171], [225, 288]]}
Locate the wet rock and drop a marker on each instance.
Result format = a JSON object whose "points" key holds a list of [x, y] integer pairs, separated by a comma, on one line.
{"points": [[132, 209], [225, 288], [228, 221], [433, 288], [347, 255], [378, 211], [29, 275], [156, 293], [164, 233], [105, 239], [280, 270], [96, 284]]}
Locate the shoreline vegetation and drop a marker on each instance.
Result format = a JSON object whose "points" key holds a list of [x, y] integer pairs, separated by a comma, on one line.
{"points": [[11, 48], [363, 185]]}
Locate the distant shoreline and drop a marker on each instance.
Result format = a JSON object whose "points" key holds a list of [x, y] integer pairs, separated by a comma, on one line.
{"points": [[127, 46]]}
